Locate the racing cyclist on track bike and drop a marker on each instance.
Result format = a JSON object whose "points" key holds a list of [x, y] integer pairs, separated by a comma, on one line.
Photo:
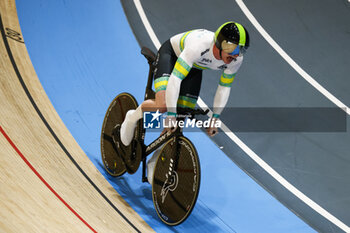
{"points": [[178, 73]]}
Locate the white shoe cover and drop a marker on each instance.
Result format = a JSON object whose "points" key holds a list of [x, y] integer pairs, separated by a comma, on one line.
{"points": [[127, 129]]}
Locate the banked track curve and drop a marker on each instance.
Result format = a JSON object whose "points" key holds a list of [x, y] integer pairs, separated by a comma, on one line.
{"points": [[47, 182]]}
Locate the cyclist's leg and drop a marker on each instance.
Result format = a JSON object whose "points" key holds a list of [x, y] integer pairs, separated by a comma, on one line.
{"points": [[190, 88], [151, 163], [165, 62]]}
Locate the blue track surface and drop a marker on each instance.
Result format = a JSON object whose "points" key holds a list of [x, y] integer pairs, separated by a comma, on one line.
{"points": [[85, 54]]}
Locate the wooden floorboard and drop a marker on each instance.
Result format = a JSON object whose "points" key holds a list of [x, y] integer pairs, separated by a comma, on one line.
{"points": [[47, 183]]}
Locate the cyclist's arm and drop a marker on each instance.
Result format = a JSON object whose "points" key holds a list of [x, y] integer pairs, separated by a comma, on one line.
{"points": [[224, 88], [181, 69], [222, 93]]}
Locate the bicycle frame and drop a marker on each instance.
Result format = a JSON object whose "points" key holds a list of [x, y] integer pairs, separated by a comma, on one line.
{"points": [[150, 94], [161, 140]]}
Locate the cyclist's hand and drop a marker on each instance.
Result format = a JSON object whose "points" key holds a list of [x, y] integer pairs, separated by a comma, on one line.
{"points": [[212, 130], [170, 124]]}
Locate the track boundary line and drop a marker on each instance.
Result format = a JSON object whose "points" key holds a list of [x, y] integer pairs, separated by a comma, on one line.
{"points": [[289, 60], [43, 180], [244, 147]]}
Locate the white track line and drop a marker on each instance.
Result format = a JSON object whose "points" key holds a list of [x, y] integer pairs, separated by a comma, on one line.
{"points": [[244, 147], [278, 177], [147, 25], [289, 60]]}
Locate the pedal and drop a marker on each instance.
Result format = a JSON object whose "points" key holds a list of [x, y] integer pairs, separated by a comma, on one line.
{"points": [[115, 135], [131, 155]]}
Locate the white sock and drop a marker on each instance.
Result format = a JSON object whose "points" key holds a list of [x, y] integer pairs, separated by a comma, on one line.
{"points": [[128, 127], [151, 164]]}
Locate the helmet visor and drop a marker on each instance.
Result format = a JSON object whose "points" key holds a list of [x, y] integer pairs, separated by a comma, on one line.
{"points": [[232, 48], [240, 50], [228, 47]]}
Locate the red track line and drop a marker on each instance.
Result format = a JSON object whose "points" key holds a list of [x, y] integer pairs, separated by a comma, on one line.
{"points": [[43, 180]]}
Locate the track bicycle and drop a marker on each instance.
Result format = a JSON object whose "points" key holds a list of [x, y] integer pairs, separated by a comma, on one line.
{"points": [[176, 177]]}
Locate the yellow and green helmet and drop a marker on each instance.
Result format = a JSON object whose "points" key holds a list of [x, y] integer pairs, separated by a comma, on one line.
{"points": [[232, 37]]}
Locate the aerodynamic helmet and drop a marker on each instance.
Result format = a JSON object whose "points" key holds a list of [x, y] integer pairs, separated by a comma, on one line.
{"points": [[232, 38]]}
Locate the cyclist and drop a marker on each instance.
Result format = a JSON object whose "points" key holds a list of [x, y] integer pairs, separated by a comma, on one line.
{"points": [[178, 73]]}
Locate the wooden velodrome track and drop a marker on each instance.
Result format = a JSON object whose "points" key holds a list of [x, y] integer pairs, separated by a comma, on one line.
{"points": [[47, 183]]}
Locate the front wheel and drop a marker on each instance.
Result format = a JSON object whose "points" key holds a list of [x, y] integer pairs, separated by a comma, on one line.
{"points": [[176, 181]]}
